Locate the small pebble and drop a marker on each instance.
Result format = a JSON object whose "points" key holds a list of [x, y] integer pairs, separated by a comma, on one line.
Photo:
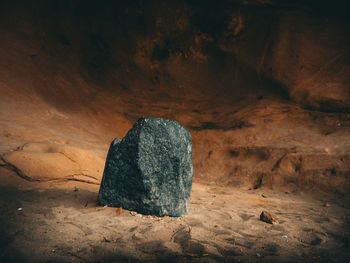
{"points": [[268, 218], [20, 209]]}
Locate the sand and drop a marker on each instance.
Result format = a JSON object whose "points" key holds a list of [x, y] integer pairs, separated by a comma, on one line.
{"points": [[61, 222]]}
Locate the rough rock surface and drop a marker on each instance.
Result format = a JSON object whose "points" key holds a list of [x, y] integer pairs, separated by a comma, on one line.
{"points": [[268, 218], [150, 170]]}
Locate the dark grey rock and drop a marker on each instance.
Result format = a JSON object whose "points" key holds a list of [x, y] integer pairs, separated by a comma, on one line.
{"points": [[150, 170]]}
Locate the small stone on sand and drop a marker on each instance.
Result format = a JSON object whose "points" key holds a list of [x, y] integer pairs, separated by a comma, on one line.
{"points": [[268, 217]]}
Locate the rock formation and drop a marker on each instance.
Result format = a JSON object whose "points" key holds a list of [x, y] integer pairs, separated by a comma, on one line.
{"points": [[150, 170]]}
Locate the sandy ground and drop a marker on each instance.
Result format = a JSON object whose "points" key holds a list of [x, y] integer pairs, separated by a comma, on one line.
{"points": [[61, 222]]}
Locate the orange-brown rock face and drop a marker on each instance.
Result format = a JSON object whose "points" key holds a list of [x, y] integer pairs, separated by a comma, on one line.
{"points": [[261, 85]]}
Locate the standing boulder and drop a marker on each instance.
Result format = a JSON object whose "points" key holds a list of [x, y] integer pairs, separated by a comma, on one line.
{"points": [[150, 170]]}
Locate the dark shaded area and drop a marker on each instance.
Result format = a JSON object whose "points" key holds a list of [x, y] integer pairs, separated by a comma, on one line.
{"points": [[217, 126], [226, 51]]}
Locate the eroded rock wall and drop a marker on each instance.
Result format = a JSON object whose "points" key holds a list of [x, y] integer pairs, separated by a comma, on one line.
{"points": [[261, 85]]}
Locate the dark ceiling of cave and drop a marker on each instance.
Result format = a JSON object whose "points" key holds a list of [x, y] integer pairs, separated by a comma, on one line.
{"points": [[213, 50]]}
